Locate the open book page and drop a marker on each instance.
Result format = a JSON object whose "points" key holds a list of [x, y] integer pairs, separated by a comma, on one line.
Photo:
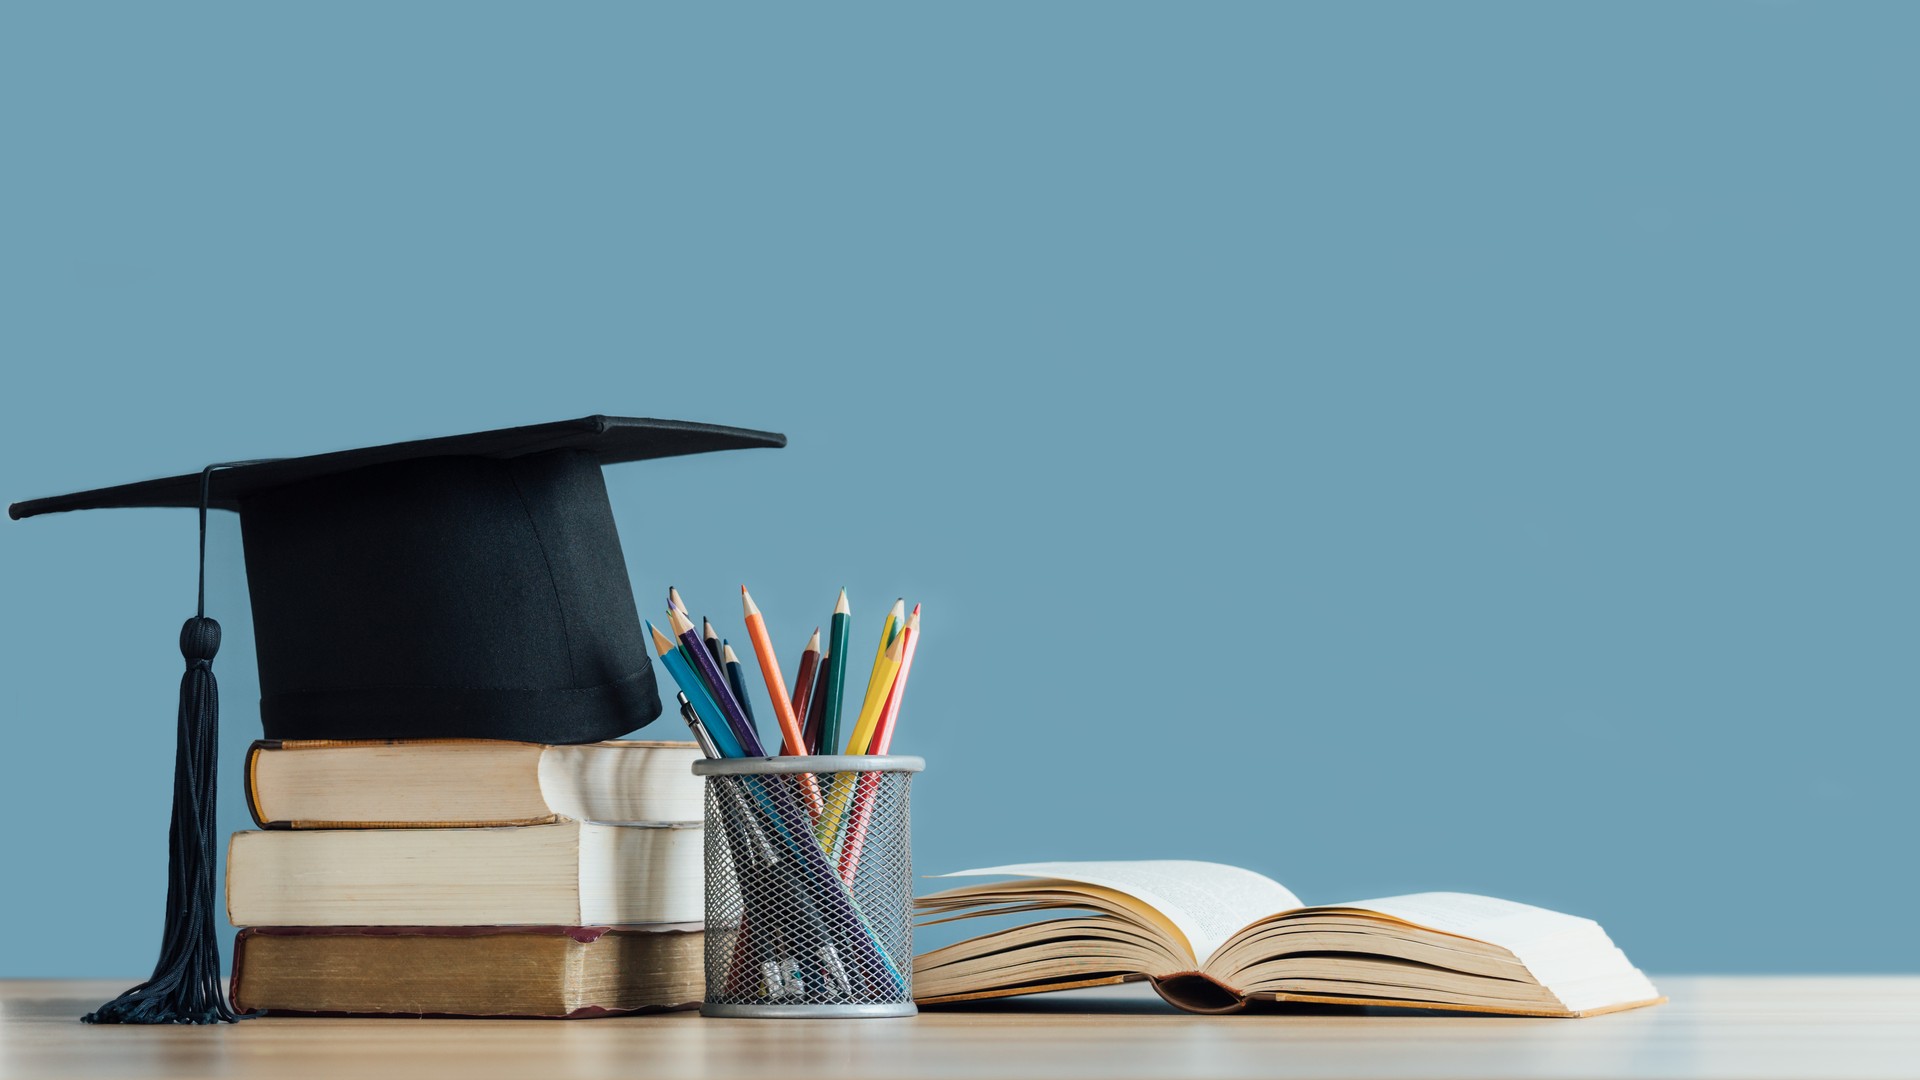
{"points": [[1206, 901], [1569, 955], [1513, 926]]}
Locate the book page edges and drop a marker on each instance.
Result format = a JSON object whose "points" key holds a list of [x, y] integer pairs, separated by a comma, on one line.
{"points": [[262, 821], [1018, 991], [1428, 1006], [1186, 1002], [302, 824]]}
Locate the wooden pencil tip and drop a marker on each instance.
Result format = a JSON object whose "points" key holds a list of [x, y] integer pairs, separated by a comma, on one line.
{"points": [[660, 641], [840, 606], [727, 654]]}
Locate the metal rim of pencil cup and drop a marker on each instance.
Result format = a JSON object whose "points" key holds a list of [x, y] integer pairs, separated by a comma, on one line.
{"points": [[821, 763]]}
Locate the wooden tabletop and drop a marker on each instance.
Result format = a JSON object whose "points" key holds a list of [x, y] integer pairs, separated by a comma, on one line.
{"points": [[1773, 1027]]}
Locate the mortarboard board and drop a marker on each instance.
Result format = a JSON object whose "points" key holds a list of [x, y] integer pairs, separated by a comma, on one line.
{"points": [[463, 587]]}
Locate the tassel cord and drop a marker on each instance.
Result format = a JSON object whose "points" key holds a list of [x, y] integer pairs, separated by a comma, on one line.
{"points": [[185, 987]]}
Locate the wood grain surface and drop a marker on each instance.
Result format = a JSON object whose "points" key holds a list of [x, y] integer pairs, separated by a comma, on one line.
{"points": [[1732, 1027]]}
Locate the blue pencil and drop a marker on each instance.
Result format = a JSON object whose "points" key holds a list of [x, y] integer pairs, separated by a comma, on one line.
{"points": [[696, 692]]}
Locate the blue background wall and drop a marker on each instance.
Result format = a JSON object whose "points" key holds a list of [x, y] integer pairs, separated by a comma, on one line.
{"points": [[1391, 447]]}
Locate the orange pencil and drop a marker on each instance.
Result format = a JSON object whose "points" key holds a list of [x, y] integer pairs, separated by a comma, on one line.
{"points": [[770, 671]]}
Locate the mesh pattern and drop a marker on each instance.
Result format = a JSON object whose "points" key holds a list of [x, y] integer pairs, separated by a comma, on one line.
{"points": [[809, 885]]}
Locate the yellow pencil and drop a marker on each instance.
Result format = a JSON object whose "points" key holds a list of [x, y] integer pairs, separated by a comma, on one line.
{"points": [[884, 669], [836, 808], [877, 686]]}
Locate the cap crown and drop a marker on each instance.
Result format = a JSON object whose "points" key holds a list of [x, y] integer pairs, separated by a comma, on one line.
{"points": [[439, 597]]}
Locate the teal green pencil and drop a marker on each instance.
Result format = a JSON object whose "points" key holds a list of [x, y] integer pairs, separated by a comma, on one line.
{"points": [[836, 674]]}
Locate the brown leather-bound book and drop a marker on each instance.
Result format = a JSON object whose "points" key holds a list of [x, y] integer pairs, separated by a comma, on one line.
{"points": [[552, 972], [436, 783], [1215, 938]]}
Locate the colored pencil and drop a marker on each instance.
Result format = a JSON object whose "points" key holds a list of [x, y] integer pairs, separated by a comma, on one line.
{"points": [[783, 709], [817, 708], [737, 681], [723, 696], [836, 662], [877, 682], [675, 603], [711, 639], [883, 731], [881, 682], [869, 786], [691, 685], [842, 791], [803, 683], [792, 738]]}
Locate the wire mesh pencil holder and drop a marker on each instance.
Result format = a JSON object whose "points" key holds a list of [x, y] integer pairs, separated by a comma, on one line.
{"points": [[809, 886]]}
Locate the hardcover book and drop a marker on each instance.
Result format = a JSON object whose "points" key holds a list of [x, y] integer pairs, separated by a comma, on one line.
{"points": [[1213, 938], [566, 874], [547, 972], [431, 783]]}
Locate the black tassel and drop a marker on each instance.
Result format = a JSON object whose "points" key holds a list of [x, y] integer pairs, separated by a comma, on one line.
{"points": [[185, 987]]}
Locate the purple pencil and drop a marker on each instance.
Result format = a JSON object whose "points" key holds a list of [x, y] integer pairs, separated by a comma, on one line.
{"points": [[722, 693]]}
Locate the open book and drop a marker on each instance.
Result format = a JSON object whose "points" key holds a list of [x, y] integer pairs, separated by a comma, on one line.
{"points": [[1213, 937]]}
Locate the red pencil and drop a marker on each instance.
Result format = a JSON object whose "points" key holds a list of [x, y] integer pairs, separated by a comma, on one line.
{"points": [[817, 708], [869, 785], [803, 682]]}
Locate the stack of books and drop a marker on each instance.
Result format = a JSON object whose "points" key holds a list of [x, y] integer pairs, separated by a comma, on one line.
{"points": [[469, 878]]}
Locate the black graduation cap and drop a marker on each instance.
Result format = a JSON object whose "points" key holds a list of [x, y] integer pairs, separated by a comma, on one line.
{"points": [[463, 587]]}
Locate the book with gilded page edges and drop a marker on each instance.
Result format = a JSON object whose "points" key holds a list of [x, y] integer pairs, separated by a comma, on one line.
{"points": [[1213, 938], [434, 783], [554, 972]]}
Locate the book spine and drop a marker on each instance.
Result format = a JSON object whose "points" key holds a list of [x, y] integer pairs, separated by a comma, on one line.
{"points": [[253, 788], [1197, 992]]}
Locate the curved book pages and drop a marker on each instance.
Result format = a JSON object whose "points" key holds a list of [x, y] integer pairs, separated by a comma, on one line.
{"points": [[1213, 938]]}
